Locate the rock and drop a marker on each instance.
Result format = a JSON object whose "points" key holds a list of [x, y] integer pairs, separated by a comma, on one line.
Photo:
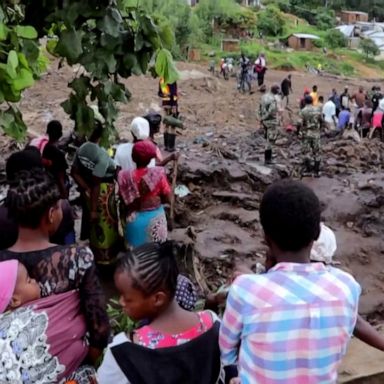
{"points": [[266, 171]]}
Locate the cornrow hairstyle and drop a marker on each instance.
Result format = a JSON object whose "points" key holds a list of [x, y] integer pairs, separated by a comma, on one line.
{"points": [[152, 267], [30, 195]]}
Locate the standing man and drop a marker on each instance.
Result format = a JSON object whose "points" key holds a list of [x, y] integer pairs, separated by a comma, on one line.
{"points": [[315, 96], [336, 100], [244, 75], [269, 119], [260, 69], [360, 97], [310, 138], [168, 93], [345, 98], [286, 88], [329, 115]]}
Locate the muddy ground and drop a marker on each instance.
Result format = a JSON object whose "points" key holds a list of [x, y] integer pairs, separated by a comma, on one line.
{"points": [[222, 166]]}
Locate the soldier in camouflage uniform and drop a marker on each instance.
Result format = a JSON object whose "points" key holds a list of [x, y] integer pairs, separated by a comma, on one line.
{"points": [[310, 137], [269, 110]]}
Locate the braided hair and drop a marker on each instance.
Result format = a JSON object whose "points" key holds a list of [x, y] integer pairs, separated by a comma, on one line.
{"points": [[152, 267], [31, 193]]}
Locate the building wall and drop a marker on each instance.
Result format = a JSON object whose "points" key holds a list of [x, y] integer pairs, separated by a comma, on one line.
{"points": [[300, 44], [352, 18], [230, 45]]}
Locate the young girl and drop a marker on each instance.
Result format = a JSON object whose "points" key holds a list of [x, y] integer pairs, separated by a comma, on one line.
{"points": [[176, 346], [42, 340]]}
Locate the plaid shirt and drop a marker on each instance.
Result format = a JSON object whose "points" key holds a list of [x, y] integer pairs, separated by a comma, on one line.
{"points": [[290, 325]]}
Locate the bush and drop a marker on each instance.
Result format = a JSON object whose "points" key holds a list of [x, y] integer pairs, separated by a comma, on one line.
{"points": [[369, 47], [270, 21], [325, 20], [335, 39]]}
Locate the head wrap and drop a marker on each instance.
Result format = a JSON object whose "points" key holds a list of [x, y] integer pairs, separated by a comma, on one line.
{"points": [[140, 128], [325, 246], [186, 295], [8, 273], [143, 152]]}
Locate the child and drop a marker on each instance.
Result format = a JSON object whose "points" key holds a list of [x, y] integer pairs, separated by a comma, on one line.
{"points": [[293, 323], [16, 287], [175, 345]]}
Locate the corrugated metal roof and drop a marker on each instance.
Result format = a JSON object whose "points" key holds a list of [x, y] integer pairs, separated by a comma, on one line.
{"points": [[305, 36], [346, 30]]}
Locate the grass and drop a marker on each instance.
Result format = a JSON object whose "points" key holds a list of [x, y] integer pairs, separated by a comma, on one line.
{"points": [[338, 62]]}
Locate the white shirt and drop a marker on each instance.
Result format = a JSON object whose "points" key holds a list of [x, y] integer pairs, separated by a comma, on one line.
{"points": [[109, 371], [123, 157], [329, 111]]}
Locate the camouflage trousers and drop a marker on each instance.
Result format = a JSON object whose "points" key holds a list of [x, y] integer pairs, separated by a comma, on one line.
{"points": [[310, 148], [271, 133]]}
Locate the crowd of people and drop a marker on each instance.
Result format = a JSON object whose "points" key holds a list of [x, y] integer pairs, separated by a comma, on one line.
{"points": [[291, 323], [362, 111]]}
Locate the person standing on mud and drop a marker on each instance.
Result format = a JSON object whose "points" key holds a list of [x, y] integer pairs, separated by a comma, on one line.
{"points": [[260, 69], [269, 119], [286, 88], [310, 138], [169, 96]]}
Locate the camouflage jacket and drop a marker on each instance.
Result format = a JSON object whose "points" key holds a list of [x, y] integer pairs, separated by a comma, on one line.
{"points": [[269, 109], [311, 121]]}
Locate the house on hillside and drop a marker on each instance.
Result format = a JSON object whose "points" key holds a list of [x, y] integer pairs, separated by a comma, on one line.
{"points": [[302, 41], [192, 3], [352, 17], [251, 3], [351, 33]]}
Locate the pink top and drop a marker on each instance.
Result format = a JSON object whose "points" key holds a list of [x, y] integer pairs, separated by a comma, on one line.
{"points": [[148, 337], [377, 118]]}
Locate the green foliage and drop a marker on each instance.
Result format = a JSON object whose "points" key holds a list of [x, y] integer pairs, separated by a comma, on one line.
{"points": [[369, 47], [335, 39], [270, 21], [21, 64], [108, 39], [119, 321], [325, 20], [224, 14]]}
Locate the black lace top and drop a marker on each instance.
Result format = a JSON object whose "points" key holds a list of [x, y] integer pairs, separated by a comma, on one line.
{"points": [[62, 268]]}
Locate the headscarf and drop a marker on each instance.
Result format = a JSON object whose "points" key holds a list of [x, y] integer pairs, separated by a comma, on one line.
{"points": [[143, 151], [8, 273], [140, 128]]}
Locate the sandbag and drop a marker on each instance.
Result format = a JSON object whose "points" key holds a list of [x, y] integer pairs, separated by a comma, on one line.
{"points": [[173, 122]]}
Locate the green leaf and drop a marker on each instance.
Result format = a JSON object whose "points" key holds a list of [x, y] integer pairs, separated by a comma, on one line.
{"points": [[13, 60], [3, 32], [31, 50], [11, 121], [109, 25], [23, 80], [165, 66], [51, 46], [12, 64], [81, 86], [26, 32], [69, 45], [23, 60]]}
